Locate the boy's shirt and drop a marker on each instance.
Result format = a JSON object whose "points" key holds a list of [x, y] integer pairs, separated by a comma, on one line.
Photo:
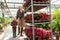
{"points": [[13, 23]]}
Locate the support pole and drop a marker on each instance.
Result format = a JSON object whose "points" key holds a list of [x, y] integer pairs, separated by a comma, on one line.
{"points": [[51, 19], [32, 18]]}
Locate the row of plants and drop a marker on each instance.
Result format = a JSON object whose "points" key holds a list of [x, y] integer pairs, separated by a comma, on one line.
{"points": [[44, 26], [35, 8], [40, 1], [41, 17], [40, 33], [56, 22], [3, 22], [1, 26]]}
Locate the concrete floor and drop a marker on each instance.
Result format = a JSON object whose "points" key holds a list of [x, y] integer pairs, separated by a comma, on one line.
{"points": [[7, 35]]}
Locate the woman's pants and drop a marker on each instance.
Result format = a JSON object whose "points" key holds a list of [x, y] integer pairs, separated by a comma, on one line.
{"points": [[21, 24], [18, 30]]}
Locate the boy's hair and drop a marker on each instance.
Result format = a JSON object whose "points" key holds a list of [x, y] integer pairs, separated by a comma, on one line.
{"points": [[13, 23]]}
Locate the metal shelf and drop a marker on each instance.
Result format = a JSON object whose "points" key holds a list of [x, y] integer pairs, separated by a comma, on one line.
{"points": [[27, 7], [29, 24], [39, 23], [41, 4], [14, 5], [42, 23], [13, 2]]}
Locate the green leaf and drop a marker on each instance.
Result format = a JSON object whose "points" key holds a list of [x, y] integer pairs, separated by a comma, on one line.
{"points": [[56, 13]]}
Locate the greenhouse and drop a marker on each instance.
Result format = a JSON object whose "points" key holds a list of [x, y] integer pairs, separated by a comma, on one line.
{"points": [[29, 19]]}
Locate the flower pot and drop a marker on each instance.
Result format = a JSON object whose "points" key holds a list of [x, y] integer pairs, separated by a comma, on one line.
{"points": [[1, 28], [2, 21], [38, 21], [57, 35], [35, 21]]}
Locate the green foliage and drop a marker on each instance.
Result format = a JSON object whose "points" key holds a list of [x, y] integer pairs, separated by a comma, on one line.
{"points": [[44, 25], [1, 25], [56, 19], [6, 20], [56, 13], [0, 19]]}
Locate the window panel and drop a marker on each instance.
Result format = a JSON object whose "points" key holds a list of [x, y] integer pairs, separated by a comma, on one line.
{"points": [[13, 0]]}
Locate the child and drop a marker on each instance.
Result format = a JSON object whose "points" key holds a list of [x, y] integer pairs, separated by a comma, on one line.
{"points": [[13, 24]]}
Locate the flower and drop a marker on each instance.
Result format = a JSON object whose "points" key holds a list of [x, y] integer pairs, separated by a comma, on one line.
{"points": [[39, 32]]}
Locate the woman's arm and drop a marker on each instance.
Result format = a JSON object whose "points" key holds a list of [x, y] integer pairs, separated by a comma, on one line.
{"points": [[17, 15]]}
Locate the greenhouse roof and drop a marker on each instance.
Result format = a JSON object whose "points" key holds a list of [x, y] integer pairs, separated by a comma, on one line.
{"points": [[16, 3]]}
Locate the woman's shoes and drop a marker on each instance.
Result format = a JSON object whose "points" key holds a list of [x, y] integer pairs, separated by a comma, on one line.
{"points": [[21, 35], [14, 36], [18, 33]]}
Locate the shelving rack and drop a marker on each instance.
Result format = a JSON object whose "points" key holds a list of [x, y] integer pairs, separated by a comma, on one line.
{"points": [[14, 5], [5, 9], [32, 10]]}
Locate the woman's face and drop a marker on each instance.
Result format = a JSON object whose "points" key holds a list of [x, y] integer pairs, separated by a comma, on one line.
{"points": [[20, 8]]}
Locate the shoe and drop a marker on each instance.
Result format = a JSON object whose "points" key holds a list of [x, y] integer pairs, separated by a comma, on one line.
{"points": [[18, 33], [21, 35], [14, 36]]}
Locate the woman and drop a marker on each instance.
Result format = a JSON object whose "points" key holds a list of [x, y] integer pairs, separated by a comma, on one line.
{"points": [[20, 18]]}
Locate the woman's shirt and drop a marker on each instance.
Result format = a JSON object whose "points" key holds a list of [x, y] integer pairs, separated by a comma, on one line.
{"points": [[20, 14]]}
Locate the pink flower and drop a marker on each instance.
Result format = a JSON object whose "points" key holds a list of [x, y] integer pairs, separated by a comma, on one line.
{"points": [[39, 32]]}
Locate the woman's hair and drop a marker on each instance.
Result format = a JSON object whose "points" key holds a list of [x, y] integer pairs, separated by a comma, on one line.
{"points": [[20, 7]]}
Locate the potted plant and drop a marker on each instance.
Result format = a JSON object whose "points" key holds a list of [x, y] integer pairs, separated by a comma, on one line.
{"points": [[39, 33], [1, 27], [56, 19], [2, 20], [56, 22]]}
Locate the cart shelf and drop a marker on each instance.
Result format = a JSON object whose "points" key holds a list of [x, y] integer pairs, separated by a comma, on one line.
{"points": [[33, 6], [37, 5], [38, 23]]}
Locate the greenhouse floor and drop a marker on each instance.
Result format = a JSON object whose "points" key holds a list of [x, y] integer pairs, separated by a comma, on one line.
{"points": [[7, 35]]}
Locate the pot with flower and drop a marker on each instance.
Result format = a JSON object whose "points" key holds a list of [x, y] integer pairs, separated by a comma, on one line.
{"points": [[44, 16], [56, 22], [39, 33], [2, 20], [56, 27], [1, 27]]}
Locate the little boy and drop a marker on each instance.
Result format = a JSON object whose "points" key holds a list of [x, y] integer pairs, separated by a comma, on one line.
{"points": [[14, 24]]}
